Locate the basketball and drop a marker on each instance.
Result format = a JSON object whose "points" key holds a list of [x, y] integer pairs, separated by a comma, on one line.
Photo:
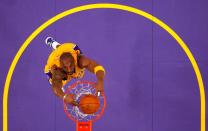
{"points": [[89, 104]]}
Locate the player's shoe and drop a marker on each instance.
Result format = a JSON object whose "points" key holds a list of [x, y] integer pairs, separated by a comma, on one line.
{"points": [[49, 41]]}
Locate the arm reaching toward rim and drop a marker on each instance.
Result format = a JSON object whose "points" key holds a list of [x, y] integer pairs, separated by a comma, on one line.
{"points": [[57, 84], [90, 65]]}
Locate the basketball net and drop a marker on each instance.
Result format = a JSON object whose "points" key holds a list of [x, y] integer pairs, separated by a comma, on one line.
{"points": [[83, 121]]}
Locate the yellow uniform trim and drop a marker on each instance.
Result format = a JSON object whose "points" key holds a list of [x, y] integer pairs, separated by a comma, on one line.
{"points": [[106, 6], [99, 68]]}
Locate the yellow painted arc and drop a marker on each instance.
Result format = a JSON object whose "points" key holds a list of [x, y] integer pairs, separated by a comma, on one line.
{"points": [[112, 6]]}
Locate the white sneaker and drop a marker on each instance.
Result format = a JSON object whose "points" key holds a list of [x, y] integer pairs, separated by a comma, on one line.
{"points": [[49, 41]]}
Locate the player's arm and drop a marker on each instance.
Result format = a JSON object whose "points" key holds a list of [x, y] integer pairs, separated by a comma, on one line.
{"points": [[57, 82], [95, 68], [57, 87]]}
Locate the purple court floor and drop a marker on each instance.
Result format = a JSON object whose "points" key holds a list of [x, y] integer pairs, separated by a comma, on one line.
{"points": [[150, 83]]}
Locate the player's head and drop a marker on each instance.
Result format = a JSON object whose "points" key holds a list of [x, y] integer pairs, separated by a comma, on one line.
{"points": [[67, 61]]}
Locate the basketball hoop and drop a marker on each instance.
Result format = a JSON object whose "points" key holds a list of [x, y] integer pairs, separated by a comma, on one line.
{"points": [[84, 121]]}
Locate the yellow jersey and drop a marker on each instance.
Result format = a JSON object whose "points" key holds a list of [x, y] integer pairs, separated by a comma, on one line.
{"points": [[54, 59]]}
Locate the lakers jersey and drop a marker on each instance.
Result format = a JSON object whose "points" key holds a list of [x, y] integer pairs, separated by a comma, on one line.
{"points": [[54, 59]]}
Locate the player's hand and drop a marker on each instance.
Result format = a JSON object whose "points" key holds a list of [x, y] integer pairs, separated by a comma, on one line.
{"points": [[53, 68], [69, 99], [99, 86], [57, 73]]}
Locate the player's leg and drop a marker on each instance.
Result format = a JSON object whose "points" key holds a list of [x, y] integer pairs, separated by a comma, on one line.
{"points": [[51, 42]]}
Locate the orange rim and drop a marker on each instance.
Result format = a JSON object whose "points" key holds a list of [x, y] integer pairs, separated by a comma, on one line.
{"points": [[65, 105]]}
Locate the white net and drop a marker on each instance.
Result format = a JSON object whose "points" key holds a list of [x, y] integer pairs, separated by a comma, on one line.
{"points": [[80, 89]]}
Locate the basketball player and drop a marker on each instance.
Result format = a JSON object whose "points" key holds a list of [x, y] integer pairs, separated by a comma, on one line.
{"points": [[67, 62]]}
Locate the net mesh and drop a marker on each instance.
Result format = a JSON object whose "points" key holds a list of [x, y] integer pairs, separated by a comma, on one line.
{"points": [[79, 89]]}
